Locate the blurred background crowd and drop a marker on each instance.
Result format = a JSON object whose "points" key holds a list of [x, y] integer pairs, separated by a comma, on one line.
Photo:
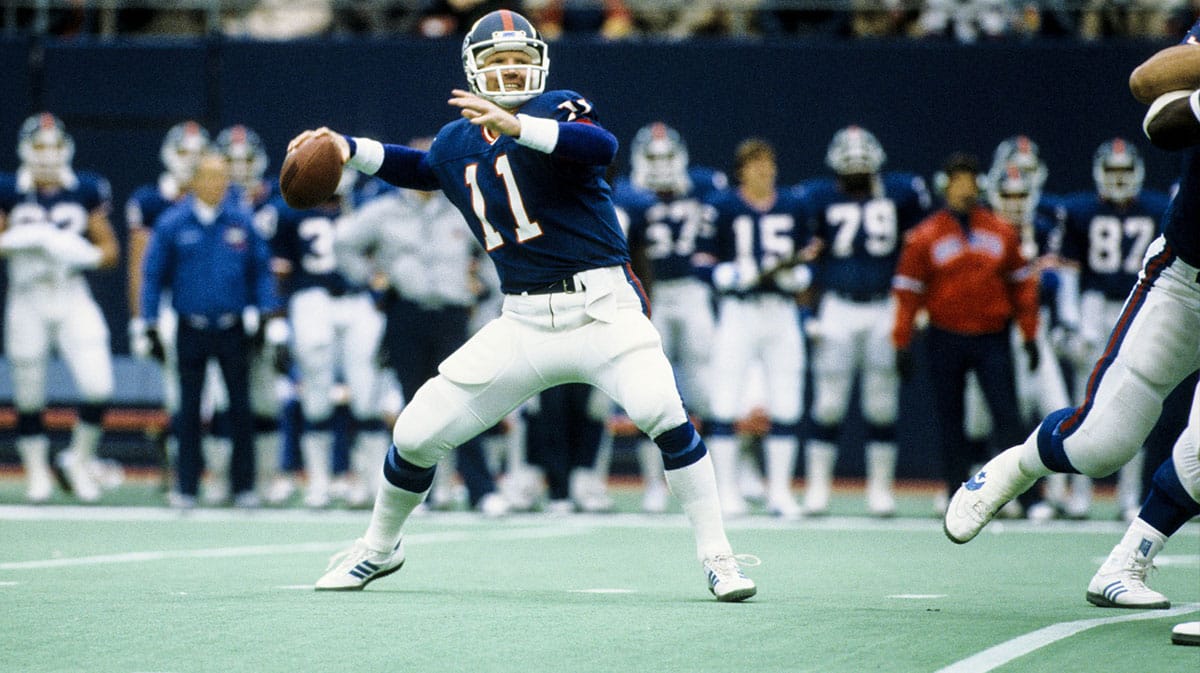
{"points": [[965, 21]]}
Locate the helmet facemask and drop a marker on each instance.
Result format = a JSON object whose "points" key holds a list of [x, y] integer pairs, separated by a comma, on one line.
{"points": [[181, 150], [499, 32], [45, 149], [659, 160], [1118, 171]]}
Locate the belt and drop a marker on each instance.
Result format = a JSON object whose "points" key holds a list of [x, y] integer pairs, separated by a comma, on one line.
{"points": [[863, 297], [223, 321], [567, 285]]}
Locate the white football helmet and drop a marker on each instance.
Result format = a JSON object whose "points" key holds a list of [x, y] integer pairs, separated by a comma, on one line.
{"points": [[1023, 152], [659, 160], [1118, 170], [1013, 192], [181, 149], [246, 154], [499, 31], [855, 151], [45, 148]]}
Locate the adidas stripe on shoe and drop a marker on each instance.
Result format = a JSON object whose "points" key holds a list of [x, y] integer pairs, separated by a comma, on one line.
{"points": [[358, 566], [726, 580]]}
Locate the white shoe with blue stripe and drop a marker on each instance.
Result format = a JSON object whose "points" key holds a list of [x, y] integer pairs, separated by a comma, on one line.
{"points": [[725, 578], [358, 566], [1121, 581]]}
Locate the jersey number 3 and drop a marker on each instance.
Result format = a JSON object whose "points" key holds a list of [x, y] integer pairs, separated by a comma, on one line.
{"points": [[526, 229]]}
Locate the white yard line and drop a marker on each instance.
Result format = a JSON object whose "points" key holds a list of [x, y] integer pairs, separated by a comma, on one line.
{"points": [[298, 548], [994, 657]]}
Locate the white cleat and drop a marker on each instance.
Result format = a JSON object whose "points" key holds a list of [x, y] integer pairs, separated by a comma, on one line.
{"points": [[1121, 582], [1187, 633], [358, 566], [881, 504], [978, 500], [83, 486], [725, 578], [493, 506]]}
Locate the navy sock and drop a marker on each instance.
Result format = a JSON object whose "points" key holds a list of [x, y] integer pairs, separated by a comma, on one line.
{"points": [[1168, 506], [403, 474], [681, 446]]}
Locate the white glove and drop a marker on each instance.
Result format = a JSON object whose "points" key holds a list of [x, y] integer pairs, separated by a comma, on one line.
{"points": [[731, 277], [277, 332], [26, 237], [795, 279], [72, 249], [139, 344]]}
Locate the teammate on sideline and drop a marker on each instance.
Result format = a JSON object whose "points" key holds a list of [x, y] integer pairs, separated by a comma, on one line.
{"points": [[53, 226], [752, 256], [663, 203], [532, 190], [862, 215], [1105, 234], [1154, 345]]}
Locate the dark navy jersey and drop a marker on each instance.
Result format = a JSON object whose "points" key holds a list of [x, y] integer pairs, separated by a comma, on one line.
{"points": [[667, 228], [1108, 242], [540, 218], [1182, 226], [67, 208], [862, 235], [761, 239], [147, 203], [303, 241]]}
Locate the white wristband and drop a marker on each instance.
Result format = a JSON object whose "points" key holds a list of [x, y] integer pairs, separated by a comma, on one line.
{"points": [[368, 155], [538, 133]]}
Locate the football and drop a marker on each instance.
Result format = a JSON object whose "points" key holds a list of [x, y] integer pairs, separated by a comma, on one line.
{"points": [[310, 173]]}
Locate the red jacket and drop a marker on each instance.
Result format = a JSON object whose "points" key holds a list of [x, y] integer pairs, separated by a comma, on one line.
{"points": [[972, 285]]}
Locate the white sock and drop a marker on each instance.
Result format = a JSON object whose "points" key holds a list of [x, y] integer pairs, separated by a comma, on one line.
{"points": [[392, 507], [651, 462], [695, 486], [780, 454], [881, 467], [1140, 538], [316, 447], [35, 454], [266, 460], [85, 437], [1031, 461], [819, 458], [723, 452]]}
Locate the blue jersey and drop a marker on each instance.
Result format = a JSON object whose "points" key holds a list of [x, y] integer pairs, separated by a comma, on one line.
{"points": [[665, 228], [303, 241], [148, 202], [67, 208], [862, 234], [541, 219], [761, 239], [1109, 241], [1181, 229]]}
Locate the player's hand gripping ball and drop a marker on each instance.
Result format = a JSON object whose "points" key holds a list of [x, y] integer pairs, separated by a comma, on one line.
{"points": [[310, 172]]}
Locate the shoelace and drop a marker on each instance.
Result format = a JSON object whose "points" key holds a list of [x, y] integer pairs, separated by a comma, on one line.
{"points": [[726, 566], [1139, 571], [341, 557]]}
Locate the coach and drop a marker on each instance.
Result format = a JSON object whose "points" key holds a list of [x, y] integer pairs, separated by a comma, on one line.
{"points": [[206, 251], [963, 265]]}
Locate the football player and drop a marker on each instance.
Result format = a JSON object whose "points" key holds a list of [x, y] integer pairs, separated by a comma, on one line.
{"points": [[1153, 345], [1105, 235], [755, 258], [531, 188], [1014, 192], [54, 226], [662, 204], [861, 214], [335, 330]]}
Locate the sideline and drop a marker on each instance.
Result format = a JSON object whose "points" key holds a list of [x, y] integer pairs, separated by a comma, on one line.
{"points": [[1001, 654]]}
